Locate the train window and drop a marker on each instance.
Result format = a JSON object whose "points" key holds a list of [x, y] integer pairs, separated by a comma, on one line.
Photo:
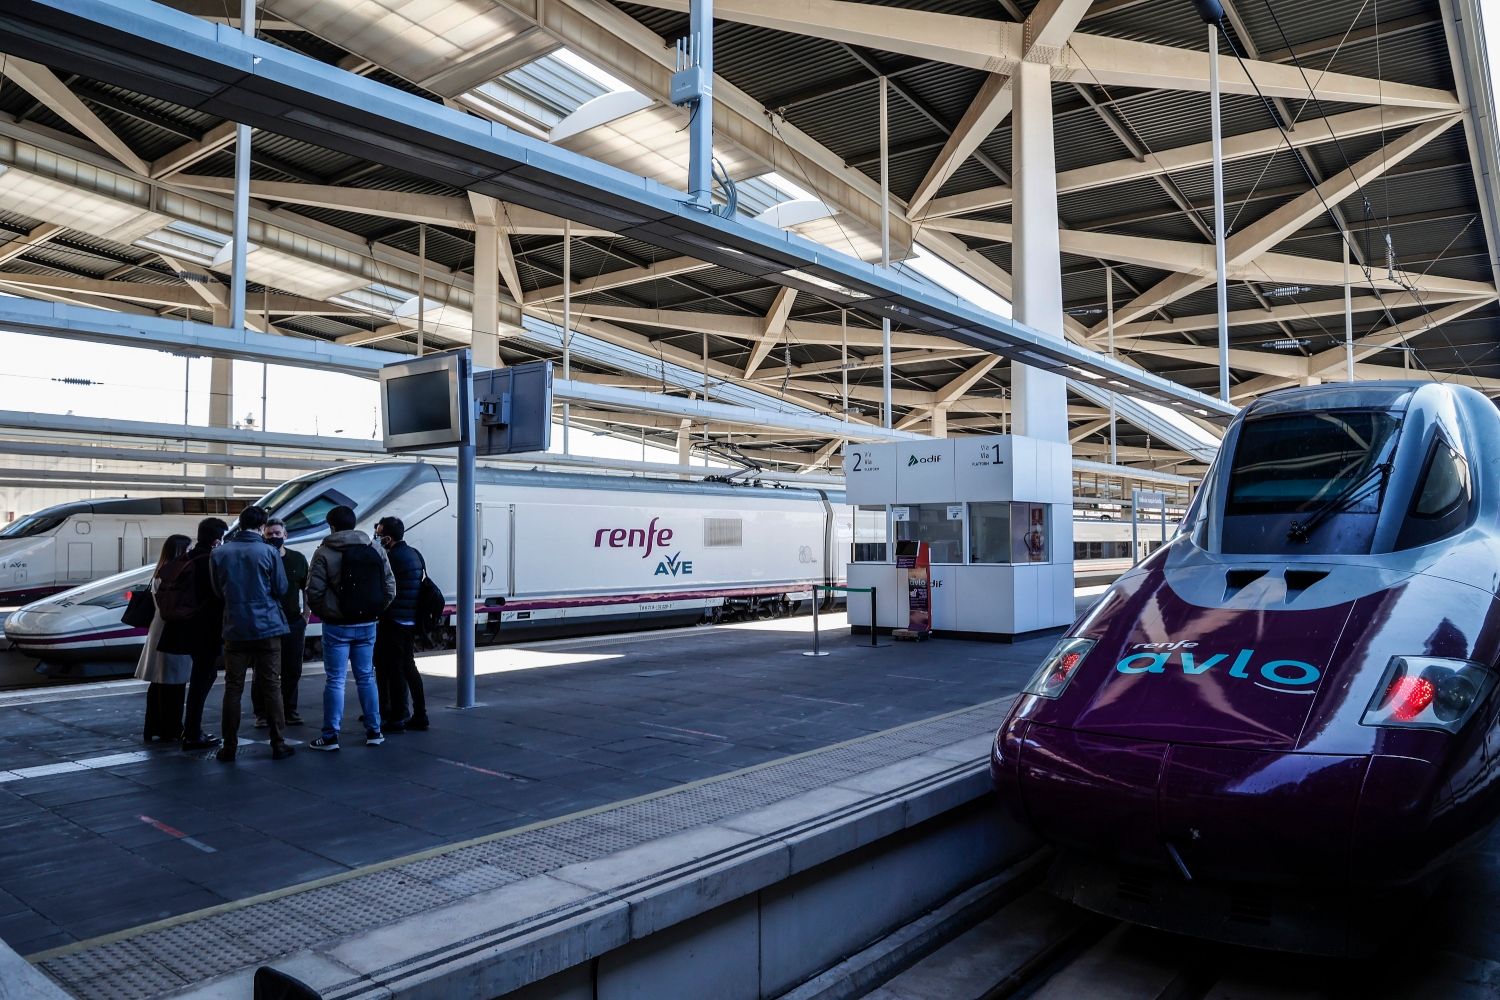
{"points": [[929, 523], [1442, 504], [870, 538], [1284, 464], [363, 489], [34, 524], [723, 532]]}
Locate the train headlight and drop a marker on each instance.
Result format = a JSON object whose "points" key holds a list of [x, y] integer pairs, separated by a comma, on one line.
{"points": [[1059, 667], [1428, 692]]}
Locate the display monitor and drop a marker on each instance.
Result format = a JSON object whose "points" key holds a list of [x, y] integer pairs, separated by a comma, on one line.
{"points": [[425, 402]]}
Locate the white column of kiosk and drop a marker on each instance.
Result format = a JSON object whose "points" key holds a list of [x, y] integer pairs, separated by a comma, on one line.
{"points": [[997, 513]]}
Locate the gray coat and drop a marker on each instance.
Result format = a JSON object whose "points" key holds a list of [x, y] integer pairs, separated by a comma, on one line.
{"points": [[247, 573], [323, 574]]}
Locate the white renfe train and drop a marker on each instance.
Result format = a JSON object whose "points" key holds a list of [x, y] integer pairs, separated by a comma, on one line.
{"points": [[60, 547], [558, 551]]}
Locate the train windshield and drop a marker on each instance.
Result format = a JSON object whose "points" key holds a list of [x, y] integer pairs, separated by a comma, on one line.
{"points": [[32, 524], [304, 503], [1295, 470]]}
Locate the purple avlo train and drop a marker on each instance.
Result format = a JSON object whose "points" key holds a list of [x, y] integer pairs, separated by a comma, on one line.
{"points": [[1289, 709]]}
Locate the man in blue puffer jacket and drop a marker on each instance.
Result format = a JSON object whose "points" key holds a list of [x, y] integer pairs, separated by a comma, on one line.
{"points": [[247, 573], [395, 664]]}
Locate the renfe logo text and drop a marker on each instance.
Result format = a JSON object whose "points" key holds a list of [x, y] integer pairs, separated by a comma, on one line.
{"points": [[647, 538]]}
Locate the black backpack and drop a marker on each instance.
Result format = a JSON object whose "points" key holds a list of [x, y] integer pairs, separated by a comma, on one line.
{"points": [[177, 594], [430, 602], [361, 586]]}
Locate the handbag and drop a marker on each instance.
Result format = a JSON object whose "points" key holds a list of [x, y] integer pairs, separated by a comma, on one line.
{"points": [[141, 611]]}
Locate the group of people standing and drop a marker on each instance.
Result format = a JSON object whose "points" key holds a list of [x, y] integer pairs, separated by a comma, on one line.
{"points": [[242, 599]]}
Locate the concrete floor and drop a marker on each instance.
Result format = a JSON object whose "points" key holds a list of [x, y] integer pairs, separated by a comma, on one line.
{"points": [[100, 834]]}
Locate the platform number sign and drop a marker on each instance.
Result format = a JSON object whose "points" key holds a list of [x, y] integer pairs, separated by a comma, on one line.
{"points": [[862, 461], [989, 454]]}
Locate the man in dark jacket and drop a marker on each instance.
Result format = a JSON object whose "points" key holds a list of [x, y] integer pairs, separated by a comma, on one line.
{"points": [[395, 666], [201, 635], [347, 567], [292, 644], [248, 575]]}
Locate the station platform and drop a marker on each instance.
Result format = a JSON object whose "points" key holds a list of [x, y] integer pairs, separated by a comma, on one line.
{"points": [[132, 872]]}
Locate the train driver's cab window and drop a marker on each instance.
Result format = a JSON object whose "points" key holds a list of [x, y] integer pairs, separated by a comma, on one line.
{"points": [[34, 524], [929, 522], [1442, 502], [870, 534], [362, 489]]}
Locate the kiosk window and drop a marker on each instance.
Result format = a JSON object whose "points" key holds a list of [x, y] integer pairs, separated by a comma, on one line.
{"points": [[1029, 531], [929, 523], [989, 533], [870, 534]]}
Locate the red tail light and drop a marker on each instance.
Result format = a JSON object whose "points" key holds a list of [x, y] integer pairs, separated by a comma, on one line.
{"points": [[1058, 668], [1409, 696]]}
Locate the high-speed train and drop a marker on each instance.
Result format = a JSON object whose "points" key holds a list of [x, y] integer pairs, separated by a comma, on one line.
{"points": [[74, 543], [558, 551], [1293, 702]]}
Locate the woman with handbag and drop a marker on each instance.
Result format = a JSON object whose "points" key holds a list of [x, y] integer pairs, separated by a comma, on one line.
{"points": [[167, 673]]}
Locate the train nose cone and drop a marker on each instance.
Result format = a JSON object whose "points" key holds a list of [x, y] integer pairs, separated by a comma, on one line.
{"points": [[1228, 814]]}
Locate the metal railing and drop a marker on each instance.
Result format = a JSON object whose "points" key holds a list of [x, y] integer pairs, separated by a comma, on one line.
{"points": [[817, 649]]}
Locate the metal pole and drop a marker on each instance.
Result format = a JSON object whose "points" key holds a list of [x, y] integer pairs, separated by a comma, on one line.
{"points": [[885, 247], [241, 233], [701, 137], [1109, 306], [468, 540], [567, 283], [421, 287], [817, 649], [873, 606], [1222, 283], [1135, 545], [1348, 318]]}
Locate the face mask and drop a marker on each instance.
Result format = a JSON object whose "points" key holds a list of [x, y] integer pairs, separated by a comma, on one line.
{"points": [[276, 543]]}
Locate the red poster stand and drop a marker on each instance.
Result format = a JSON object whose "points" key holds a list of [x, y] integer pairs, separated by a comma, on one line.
{"points": [[916, 559]]}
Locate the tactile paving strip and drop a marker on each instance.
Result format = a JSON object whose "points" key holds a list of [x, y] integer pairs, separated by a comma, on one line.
{"points": [[161, 959]]}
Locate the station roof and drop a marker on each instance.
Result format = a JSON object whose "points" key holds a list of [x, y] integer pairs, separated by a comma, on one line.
{"points": [[1357, 131]]}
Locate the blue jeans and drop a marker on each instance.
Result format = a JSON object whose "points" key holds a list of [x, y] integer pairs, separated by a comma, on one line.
{"points": [[345, 646]]}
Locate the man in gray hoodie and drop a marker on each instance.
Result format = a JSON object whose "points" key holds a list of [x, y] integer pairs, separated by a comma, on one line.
{"points": [[247, 574], [348, 585]]}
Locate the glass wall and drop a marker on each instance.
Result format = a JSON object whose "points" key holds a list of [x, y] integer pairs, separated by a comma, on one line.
{"points": [[989, 532], [928, 522], [1028, 527], [869, 534]]}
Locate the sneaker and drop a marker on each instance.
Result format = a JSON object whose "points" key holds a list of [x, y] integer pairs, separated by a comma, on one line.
{"points": [[261, 722], [293, 719], [374, 739], [284, 751], [224, 756], [417, 724], [324, 743]]}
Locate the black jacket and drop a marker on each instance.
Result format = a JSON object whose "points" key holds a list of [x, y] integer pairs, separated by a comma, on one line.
{"points": [[406, 564], [204, 632]]}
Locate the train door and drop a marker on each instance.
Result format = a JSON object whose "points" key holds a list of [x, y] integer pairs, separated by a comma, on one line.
{"points": [[132, 546], [80, 562], [496, 563]]}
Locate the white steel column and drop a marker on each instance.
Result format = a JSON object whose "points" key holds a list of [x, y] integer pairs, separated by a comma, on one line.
{"points": [[1222, 284], [1109, 308], [241, 234], [421, 288], [1039, 400], [885, 248], [486, 328], [567, 336], [220, 414], [1348, 317], [844, 364]]}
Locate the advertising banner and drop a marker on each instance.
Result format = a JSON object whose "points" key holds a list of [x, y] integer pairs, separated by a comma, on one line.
{"points": [[916, 559]]}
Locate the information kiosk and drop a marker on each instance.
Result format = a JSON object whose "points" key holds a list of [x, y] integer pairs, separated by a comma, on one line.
{"points": [[996, 516]]}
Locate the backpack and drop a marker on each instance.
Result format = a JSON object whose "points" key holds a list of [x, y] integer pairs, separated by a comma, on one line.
{"points": [[361, 585], [177, 594], [430, 603]]}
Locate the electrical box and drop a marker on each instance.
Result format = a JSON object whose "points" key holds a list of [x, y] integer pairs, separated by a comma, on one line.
{"points": [[690, 84]]}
